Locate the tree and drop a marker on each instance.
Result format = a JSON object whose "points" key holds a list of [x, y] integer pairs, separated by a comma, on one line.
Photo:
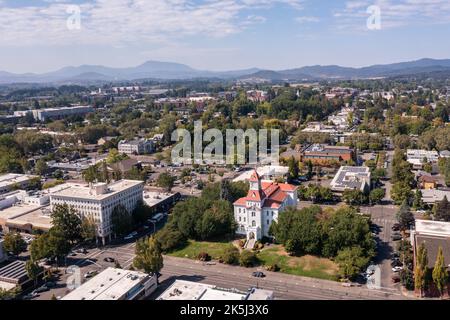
{"points": [[354, 197], [440, 275], [33, 270], [230, 255], [442, 210], [41, 167], [14, 243], [351, 261], [420, 271], [247, 259], [141, 213], [293, 168], [401, 192], [404, 216], [166, 181], [88, 230], [66, 219], [376, 195], [418, 203], [121, 220], [149, 256], [170, 238]]}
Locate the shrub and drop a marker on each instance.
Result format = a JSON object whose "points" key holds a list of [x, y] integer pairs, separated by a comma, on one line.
{"points": [[242, 243], [248, 259], [230, 255], [204, 256], [273, 267]]}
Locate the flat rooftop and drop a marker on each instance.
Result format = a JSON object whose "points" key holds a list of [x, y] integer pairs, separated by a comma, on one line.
{"points": [[83, 191], [12, 178], [351, 178], [188, 290], [435, 228], [152, 198], [25, 214], [111, 284]]}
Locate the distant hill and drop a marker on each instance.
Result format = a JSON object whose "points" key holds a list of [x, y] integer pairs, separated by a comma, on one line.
{"points": [[176, 71]]}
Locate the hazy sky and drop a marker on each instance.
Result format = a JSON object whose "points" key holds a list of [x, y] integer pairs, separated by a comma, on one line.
{"points": [[219, 35]]}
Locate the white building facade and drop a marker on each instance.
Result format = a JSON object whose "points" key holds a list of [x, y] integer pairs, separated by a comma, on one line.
{"points": [[99, 200], [264, 202], [138, 146]]}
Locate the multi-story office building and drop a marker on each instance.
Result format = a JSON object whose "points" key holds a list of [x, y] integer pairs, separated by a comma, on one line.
{"points": [[59, 113], [264, 202], [99, 200], [115, 284], [137, 146]]}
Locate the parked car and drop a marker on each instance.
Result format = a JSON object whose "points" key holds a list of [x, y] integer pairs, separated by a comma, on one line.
{"points": [[82, 251], [131, 236], [109, 259], [40, 289], [396, 237], [396, 269], [395, 227], [258, 274], [396, 263], [50, 284], [90, 274]]}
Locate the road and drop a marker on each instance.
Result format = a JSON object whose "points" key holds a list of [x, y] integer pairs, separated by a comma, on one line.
{"points": [[285, 286]]}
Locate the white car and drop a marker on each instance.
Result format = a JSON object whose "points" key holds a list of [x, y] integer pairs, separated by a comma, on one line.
{"points": [[396, 269], [131, 236]]}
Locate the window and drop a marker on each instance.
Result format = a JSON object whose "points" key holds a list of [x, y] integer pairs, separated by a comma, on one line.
{"points": [[253, 223], [253, 214], [268, 222]]}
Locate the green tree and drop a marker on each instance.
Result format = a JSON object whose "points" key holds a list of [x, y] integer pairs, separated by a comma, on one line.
{"points": [[442, 210], [354, 197], [248, 259], [166, 181], [149, 256], [14, 243], [418, 203], [66, 219], [230, 255], [420, 271], [88, 230], [33, 270], [41, 167], [401, 192], [376, 195], [121, 220], [440, 274], [293, 168], [404, 216], [351, 261]]}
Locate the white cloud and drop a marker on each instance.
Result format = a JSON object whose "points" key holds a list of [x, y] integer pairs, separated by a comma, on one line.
{"points": [[307, 19], [117, 22]]}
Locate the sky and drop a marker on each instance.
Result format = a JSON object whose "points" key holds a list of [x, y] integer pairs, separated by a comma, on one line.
{"points": [[44, 35]]}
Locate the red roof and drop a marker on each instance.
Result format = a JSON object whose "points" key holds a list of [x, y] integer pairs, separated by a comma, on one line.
{"points": [[254, 177], [274, 194]]}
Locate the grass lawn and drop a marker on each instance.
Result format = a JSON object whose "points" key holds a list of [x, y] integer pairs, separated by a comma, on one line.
{"points": [[308, 266], [194, 248]]}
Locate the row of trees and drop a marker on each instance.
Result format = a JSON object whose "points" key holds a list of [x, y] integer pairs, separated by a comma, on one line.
{"points": [[208, 217], [343, 235]]}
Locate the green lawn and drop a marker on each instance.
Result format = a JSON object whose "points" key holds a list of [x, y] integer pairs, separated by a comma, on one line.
{"points": [[308, 266], [194, 248]]}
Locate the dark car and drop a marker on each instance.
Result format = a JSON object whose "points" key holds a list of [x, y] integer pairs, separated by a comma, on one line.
{"points": [[396, 263], [50, 284], [258, 274], [395, 227], [40, 289], [396, 237]]}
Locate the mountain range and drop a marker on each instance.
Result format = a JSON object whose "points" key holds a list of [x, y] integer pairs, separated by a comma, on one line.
{"points": [[175, 71]]}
